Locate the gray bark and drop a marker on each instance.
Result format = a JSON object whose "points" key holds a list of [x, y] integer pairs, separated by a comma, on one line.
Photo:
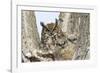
{"points": [[29, 33], [77, 26], [31, 49]]}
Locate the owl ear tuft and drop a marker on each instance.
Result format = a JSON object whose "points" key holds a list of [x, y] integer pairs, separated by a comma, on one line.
{"points": [[42, 24], [56, 23]]}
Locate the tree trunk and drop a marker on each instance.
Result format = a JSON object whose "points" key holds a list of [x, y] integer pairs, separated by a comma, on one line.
{"points": [[77, 26], [29, 33]]}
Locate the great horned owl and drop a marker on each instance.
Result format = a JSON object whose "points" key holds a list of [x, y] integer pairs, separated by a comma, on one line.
{"points": [[52, 37]]}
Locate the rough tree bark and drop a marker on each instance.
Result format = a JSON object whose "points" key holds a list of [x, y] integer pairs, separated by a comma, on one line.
{"points": [[29, 33], [77, 26]]}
